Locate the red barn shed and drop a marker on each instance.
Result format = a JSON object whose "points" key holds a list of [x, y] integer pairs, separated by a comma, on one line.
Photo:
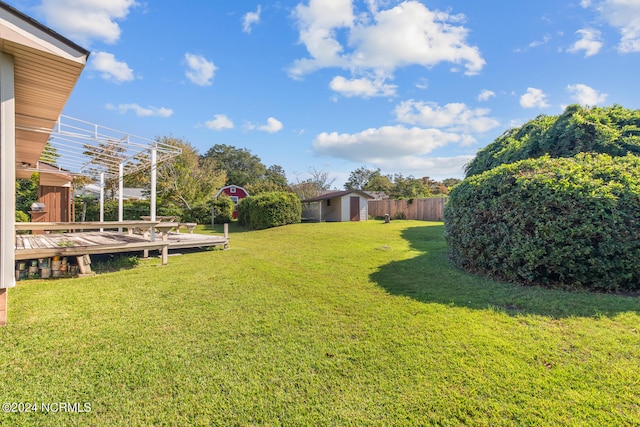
{"points": [[236, 193]]}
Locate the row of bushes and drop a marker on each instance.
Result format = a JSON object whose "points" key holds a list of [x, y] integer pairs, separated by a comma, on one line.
{"points": [[133, 210]]}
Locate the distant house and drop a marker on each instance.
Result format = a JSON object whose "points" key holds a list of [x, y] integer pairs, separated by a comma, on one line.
{"points": [[127, 193], [378, 195], [236, 193], [337, 206]]}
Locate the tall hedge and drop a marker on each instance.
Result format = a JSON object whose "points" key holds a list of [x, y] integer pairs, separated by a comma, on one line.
{"points": [[610, 130], [269, 210], [553, 221]]}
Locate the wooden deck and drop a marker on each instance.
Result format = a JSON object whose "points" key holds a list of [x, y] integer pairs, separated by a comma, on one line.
{"points": [[32, 246]]}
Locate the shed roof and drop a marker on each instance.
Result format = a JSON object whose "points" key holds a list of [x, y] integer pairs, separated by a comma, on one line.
{"points": [[336, 194]]}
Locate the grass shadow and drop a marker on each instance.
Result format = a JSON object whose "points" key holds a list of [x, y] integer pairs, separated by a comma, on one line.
{"points": [[110, 263], [431, 277]]}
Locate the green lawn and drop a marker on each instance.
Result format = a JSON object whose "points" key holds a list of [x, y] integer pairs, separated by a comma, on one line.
{"points": [[343, 324]]}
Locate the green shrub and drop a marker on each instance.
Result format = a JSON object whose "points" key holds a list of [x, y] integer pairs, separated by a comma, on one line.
{"points": [[399, 215], [609, 130], [171, 210], [571, 222], [269, 210], [131, 210], [224, 208], [22, 217], [244, 208], [200, 214]]}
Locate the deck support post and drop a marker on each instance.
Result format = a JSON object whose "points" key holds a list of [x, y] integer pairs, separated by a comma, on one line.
{"points": [[152, 196], [165, 255], [101, 198], [7, 181], [120, 191]]}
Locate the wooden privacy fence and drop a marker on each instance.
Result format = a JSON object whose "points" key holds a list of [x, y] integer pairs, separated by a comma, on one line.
{"points": [[421, 209]]}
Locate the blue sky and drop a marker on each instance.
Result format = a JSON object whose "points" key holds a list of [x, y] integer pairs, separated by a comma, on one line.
{"points": [[411, 87]]}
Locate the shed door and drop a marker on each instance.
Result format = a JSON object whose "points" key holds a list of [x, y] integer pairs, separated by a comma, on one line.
{"points": [[355, 208]]}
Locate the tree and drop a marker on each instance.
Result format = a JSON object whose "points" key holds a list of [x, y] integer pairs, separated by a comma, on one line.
{"points": [[408, 187], [379, 182], [105, 155], [359, 178], [188, 179], [434, 187], [305, 189], [241, 167], [27, 192], [314, 186], [397, 186], [276, 175], [274, 180], [450, 182]]}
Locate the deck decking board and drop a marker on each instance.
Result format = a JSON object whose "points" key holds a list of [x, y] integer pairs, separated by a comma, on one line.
{"points": [[29, 246]]}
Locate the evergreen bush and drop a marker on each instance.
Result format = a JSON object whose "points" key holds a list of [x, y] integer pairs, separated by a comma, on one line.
{"points": [[570, 222], [269, 210], [610, 130]]}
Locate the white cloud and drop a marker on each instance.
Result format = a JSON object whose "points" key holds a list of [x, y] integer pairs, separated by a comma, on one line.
{"points": [[586, 95], [86, 20], [219, 122], [422, 84], [412, 34], [376, 145], [537, 43], [486, 94], [378, 42], [534, 98], [141, 111], [273, 125], [623, 15], [200, 71], [363, 87], [453, 116], [589, 42], [318, 23], [251, 18], [110, 68]]}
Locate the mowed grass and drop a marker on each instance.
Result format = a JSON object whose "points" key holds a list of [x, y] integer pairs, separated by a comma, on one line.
{"points": [[336, 324]]}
